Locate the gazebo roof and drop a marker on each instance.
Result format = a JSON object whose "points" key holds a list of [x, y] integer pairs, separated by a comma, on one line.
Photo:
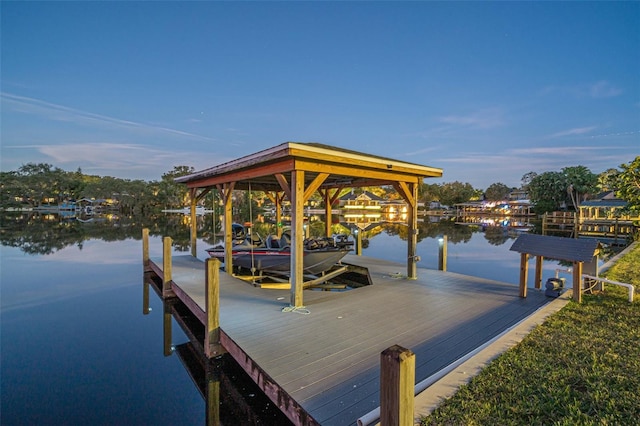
{"points": [[561, 248], [344, 168]]}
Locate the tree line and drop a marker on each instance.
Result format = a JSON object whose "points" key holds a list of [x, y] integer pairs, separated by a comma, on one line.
{"points": [[33, 185]]}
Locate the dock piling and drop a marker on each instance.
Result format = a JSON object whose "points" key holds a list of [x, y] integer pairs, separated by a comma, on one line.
{"points": [[397, 379], [212, 345], [167, 291], [145, 249]]}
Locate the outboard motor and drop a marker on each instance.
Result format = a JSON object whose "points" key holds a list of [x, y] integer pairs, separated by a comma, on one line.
{"points": [[554, 287]]}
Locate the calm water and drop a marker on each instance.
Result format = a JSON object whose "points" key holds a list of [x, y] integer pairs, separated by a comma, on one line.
{"points": [[77, 349]]}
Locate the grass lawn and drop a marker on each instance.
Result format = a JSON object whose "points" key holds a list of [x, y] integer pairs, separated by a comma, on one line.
{"points": [[581, 366]]}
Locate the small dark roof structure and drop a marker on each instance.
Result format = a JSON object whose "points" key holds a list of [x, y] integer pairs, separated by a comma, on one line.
{"points": [[608, 202], [561, 248]]}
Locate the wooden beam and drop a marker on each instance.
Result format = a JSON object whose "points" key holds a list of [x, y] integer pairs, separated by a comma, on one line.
{"points": [[284, 185], [297, 236], [253, 172], [313, 186], [577, 282], [360, 160], [524, 272], [406, 193], [203, 193], [538, 283], [352, 171], [397, 381]]}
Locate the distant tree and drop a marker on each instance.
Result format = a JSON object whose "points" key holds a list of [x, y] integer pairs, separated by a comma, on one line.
{"points": [[629, 184], [608, 180], [580, 183], [526, 180], [11, 190], [429, 192], [39, 181], [174, 194], [456, 192], [547, 191], [497, 192]]}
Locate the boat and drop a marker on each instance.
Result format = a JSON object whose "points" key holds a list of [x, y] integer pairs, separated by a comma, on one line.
{"points": [[273, 254]]}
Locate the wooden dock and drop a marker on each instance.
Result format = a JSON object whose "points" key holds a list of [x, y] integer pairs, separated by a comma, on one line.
{"points": [[322, 365]]}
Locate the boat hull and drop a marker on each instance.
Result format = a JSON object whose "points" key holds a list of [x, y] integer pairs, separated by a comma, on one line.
{"points": [[279, 261]]}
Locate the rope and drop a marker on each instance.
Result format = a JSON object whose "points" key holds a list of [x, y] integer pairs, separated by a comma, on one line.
{"points": [[298, 310], [253, 266]]}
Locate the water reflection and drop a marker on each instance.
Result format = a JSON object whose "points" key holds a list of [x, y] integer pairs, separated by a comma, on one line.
{"points": [[230, 395], [39, 233]]}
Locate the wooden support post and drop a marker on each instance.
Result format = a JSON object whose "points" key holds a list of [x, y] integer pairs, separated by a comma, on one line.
{"points": [[327, 212], [442, 253], [166, 329], [145, 249], [538, 283], [279, 214], [397, 381], [297, 232], [227, 194], [412, 201], [577, 282], [524, 273], [193, 222], [359, 242], [167, 291], [212, 302]]}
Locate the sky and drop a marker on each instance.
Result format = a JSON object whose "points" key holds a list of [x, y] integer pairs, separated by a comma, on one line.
{"points": [[486, 91]]}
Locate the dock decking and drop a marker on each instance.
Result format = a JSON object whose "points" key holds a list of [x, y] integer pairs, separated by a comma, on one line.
{"points": [[324, 366]]}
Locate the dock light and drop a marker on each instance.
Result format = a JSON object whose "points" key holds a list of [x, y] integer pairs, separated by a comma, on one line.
{"points": [[442, 253], [358, 245]]}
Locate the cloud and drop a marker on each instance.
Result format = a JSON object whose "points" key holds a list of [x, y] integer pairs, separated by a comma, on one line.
{"points": [[555, 150], [121, 159], [482, 119], [597, 90], [62, 113], [573, 132], [603, 89]]}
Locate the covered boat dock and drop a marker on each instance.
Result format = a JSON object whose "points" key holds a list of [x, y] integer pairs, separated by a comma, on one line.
{"points": [[296, 171]]}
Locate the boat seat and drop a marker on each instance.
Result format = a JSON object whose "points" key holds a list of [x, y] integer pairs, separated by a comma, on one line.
{"points": [[272, 243], [285, 240], [255, 239]]}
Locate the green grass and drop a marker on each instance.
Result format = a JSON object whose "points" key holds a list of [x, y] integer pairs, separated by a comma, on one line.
{"points": [[581, 366]]}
